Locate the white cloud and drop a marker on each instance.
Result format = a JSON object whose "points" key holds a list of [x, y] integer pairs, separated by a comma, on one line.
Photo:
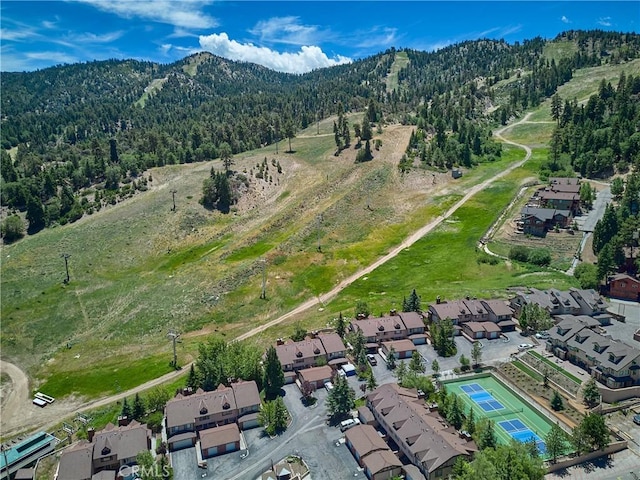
{"points": [[185, 13], [605, 21], [19, 34], [378, 36], [287, 30], [89, 37], [565, 19], [308, 58], [434, 47], [11, 61]]}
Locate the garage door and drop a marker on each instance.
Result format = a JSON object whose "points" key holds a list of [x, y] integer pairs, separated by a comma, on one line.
{"points": [[231, 447], [180, 444], [249, 424]]}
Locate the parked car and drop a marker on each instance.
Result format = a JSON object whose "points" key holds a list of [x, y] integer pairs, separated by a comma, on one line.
{"points": [[372, 359], [542, 335], [636, 419], [524, 346], [328, 386], [347, 424]]}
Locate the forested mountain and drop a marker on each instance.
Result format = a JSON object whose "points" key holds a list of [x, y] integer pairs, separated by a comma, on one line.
{"points": [[99, 125]]}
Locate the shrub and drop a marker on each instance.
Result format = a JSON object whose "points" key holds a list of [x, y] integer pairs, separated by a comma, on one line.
{"points": [[540, 256], [12, 229], [519, 253]]}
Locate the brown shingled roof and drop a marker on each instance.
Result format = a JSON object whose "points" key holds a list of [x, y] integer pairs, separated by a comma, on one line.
{"points": [[365, 439], [332, 343], [380, 461], [307, 348], [214, 437], [315, 374]]}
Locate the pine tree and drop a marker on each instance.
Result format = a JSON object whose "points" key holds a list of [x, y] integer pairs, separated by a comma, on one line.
{"points": [[454, 414], [126, 409], [435, 366], [590, 393], [192, 379], [556, 107], [555, 441], [341, 398], [35, 214], [226, 156], [470, 423], [476, 353], [391, 359], [273, 379], [556, 402], [488, 436], [415, 365], [371, 381], [138, 410], [412, 304], [281, 415], [341, 325]]}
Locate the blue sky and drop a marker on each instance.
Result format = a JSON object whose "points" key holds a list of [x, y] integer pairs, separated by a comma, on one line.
{"points": [[293, 36]]}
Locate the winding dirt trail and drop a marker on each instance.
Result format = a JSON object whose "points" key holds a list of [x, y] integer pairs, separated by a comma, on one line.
{"points": [[20, 397]]}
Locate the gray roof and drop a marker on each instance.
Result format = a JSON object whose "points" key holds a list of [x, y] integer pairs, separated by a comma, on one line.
{"points": [[566, 328], [76, 462], [543, 213], [612, 354], [585, 320], [590, 297], [563, 298], [538, 297]]}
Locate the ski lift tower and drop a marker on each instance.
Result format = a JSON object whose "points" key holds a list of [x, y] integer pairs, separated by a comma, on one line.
{"points": [[173, 335]]}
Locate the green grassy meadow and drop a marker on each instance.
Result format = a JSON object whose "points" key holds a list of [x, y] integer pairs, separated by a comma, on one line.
{"points": [[138, 269]]}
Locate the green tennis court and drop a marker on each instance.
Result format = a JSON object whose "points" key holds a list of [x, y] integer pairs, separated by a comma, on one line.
{"points": [[512, 416]]}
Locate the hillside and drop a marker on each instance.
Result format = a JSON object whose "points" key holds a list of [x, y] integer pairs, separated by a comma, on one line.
{"points": [[138, 268]]}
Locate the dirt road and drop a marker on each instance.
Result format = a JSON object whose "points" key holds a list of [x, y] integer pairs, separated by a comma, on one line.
{"points": [[17, 420]]}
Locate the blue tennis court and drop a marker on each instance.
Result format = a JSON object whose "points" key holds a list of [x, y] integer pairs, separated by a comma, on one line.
{"points": [[483, 398], [519, 431], [471, 388]]}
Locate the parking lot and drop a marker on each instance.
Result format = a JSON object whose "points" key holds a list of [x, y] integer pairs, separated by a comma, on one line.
{"points": [[308, 436]]}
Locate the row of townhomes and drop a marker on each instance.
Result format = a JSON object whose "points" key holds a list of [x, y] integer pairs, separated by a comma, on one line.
{"points": [[427, 447], [102, 456], [212, 420], [475, 318], [551, 206], [611, 362], [578, 335]]}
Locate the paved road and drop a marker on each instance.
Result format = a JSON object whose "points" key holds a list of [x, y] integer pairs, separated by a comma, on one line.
{"points": [[587, 223], [320, 300]]}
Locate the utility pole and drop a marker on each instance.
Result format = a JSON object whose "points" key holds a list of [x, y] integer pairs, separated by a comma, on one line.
{"points": [[173, 192], [319, 219], [318, 123], [173, 335], [66, 266], [263, 294]]}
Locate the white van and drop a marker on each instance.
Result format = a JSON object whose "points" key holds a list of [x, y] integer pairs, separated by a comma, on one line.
{"points": [[347, 424]]}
